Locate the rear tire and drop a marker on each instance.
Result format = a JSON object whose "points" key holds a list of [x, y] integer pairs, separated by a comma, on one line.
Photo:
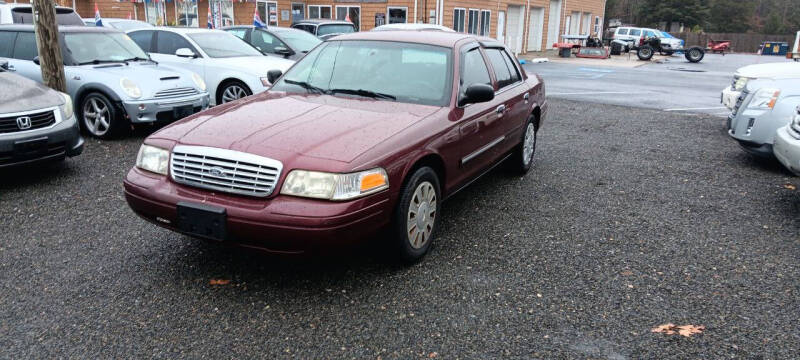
{"points": [[645, 53], [99, 117], [695, 54], [416, 216]]}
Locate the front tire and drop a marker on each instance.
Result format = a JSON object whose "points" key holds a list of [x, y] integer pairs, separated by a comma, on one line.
{"points": [[416, 216], [99, 117], [522, 158], [231, 91]]}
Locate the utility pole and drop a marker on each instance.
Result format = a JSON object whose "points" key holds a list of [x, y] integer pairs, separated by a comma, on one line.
{"points": [[50, 60]]}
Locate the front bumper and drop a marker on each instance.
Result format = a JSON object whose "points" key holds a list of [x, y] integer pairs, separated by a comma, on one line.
{"points": [[755, 130], [55, 143], [151, 110], [787, 149], [729, 97], [281, 224]]}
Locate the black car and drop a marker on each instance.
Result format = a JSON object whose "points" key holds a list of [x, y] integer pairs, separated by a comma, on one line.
{"points": [[325, 28], [36, 122], [280, 41]]}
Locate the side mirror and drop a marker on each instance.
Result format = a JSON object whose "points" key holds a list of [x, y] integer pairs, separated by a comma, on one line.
{"points": [[36, 60], [477, 93], [283, 51], [4, 64], [273, 75], [185, 53]]}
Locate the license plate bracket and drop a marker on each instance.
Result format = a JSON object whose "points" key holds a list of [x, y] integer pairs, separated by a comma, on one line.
{"points": [[202, 220], [30, 147], [180, 112]]}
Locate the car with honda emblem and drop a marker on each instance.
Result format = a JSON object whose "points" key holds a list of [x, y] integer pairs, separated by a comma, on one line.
{"points": [[36, 123], [114, 84], [368, 132]]}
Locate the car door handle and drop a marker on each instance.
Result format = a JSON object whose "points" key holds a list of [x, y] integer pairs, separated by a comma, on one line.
{"points": [[501, 109], [527, 97]]}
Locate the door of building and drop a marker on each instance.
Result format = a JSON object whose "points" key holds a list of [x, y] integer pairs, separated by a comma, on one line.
{"points": [[535, 29], [516, 14], [268, 12], [501, 26], [554, 23]]}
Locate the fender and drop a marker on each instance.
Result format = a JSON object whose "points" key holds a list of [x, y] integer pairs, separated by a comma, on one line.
{"points": [[85, 88]]}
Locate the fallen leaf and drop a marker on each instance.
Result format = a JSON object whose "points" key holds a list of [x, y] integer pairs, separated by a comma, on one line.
{"points": [[219, 282], [689, 330], [790, 187], [666, 329], [627, 273], [433, 355]]}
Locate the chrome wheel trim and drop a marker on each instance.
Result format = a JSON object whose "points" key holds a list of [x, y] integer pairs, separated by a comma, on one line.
{"points": [[528, 144], [421, 215], [233, 92], [694, 53], [646, 52], [96, 116]]}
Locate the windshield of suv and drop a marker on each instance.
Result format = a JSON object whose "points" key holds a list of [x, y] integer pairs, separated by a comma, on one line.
{"points": [[102, 47], [299, 40], [326, 29], [220, 44], [382, 70]]}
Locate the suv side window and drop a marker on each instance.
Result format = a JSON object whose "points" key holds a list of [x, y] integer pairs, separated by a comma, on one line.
{"points": [[636, 32], [168, 43], [623, 31], [501, 71], [7, 43], [473, 70], [25, 46], [143, 38]]}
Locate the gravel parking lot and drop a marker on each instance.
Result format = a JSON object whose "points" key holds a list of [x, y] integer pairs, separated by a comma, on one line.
{"points": [[631, 218]]}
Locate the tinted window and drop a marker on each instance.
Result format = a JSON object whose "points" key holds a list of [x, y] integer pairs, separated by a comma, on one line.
{"points": [[515, 76], [25, 46], [335, 29], [623, 32], [299, 40], [143, 39], [474, 70], [169, 43], [636, 32], [6, 43], [265, 41], [501, 72], [221, 45]]}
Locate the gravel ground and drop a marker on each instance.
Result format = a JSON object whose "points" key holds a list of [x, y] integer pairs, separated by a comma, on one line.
{"points": [[631, 218]]}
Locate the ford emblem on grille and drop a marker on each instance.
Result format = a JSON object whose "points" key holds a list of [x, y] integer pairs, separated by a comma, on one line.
{"points": [[217, 171], [24, 122]]}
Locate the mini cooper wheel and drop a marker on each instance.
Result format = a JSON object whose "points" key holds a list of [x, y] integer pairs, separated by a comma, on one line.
{"points": [[99, 117], [232, 91], [416, 216], [522, 159]]}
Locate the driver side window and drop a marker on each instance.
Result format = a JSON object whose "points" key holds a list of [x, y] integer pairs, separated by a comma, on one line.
{"points": [[473, 70]]}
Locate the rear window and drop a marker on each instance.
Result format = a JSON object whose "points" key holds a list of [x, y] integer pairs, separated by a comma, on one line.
{"points": [[327, 29], [623, 32], [64, 16]]}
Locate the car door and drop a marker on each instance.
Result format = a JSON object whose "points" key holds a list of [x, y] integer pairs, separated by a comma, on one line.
{"points": [[511, 95], [165, 45], [22, 55], [476, 123]]}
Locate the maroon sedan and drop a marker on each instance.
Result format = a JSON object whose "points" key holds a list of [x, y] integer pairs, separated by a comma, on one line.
{"points": [[369, 131]]}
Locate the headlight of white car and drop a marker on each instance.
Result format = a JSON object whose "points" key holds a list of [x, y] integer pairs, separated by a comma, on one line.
{"points": [[764, 99], [739, 83], [199, 82], [66, 108], [130, 88], [153, 159], [321, 185]]}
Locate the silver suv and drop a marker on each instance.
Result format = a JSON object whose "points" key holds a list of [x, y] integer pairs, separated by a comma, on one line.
{"points": [[112, 81]]}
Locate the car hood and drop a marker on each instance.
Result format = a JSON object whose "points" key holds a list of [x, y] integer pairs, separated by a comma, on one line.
{"points": [[781, 69], [150, 77], [21, 94], [258, 65], [281, 126]]}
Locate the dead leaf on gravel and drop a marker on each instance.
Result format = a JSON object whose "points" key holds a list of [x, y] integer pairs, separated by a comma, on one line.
{"points": [[626, 273], [219, 282], [789, 186], [683, 330]]}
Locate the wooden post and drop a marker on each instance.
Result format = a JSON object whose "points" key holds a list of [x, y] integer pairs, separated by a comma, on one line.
{"points": [[50, 60]]}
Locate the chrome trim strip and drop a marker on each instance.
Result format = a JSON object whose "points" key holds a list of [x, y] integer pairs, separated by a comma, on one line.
{"points": [[57, 115], [482, 150]]}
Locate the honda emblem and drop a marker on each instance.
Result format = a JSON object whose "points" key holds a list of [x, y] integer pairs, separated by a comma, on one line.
{"points": [[24, 122]]}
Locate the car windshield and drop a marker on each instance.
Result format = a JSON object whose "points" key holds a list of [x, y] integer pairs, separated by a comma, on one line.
{"points": [[127, 25], [220, 44], [299, 40], [102, 47], [383, 70], [327, 29]]}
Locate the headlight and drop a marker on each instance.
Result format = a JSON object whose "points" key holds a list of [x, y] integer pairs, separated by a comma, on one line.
{"points": [[265, 82], [320, 185], [130, 88], [199, 82], [739, 83], [66, 109], [764, 99], [153, 159]]}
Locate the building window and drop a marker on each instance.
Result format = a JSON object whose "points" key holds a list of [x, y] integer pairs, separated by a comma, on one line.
{"points": [[597, 23], [459, 16], [319, 11], [351, 12], [298, 12], [398, 15], [472, 21], [486, 21], [186, 13], [155, 13], [221, 12]]}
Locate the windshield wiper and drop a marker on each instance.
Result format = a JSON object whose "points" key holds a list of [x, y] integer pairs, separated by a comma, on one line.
{"points": [[365, 93], [96, 61], [136, 58], [306, 86]]}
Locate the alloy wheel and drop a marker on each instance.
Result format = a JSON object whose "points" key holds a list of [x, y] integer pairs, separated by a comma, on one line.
{"points": [[233, 92], [421, 215], [528, 144], [96, 116]]}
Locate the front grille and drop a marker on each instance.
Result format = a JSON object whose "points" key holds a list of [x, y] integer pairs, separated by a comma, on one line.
{"points": [[224, 170], [8, 124], [176, 92], [54, 150]]}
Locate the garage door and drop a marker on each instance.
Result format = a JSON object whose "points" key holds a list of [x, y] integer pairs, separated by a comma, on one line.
{"points": [[514, 27], [536, 29]]}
